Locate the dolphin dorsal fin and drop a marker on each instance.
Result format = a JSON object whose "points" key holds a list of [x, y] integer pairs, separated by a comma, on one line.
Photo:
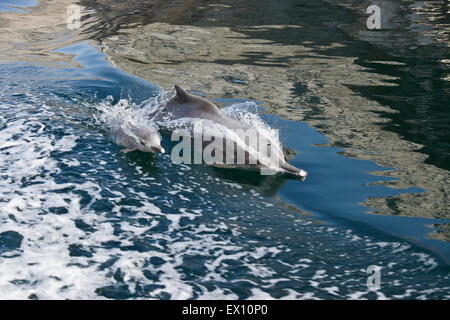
{"points": [[182, 95]]}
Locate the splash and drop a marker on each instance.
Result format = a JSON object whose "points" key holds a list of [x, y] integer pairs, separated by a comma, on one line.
{"points": [[111, 116]]}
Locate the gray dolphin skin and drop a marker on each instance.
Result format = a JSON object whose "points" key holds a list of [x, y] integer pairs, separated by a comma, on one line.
{"points": [[186, 105], [137, 137]]}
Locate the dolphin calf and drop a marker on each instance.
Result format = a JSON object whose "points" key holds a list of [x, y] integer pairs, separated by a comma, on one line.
{"points": [[186, 105], [136, 137]]}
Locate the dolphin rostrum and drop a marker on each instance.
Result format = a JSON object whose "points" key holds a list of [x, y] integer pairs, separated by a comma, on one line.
{"points": [[186, 105]]}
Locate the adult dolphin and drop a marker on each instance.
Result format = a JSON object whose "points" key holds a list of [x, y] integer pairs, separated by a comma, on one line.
{"points": [[186, 105]]}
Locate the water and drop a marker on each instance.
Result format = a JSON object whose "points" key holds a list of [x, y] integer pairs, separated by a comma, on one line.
{"points": [[82, 220]]}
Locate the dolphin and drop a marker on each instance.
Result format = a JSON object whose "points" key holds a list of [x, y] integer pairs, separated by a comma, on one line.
{"points": [[134, 136], [186, 105]]}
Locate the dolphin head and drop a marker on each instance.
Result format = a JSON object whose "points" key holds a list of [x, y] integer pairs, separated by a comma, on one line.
{"points": [[150, 141], [146, 139], [150, 145]]}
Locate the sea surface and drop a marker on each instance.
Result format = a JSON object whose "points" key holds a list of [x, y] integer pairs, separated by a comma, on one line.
{"points": [[81, 220]]}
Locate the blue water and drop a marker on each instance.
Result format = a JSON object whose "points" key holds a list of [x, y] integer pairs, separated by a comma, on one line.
{"points": [[82, 220], [16, 5]]}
